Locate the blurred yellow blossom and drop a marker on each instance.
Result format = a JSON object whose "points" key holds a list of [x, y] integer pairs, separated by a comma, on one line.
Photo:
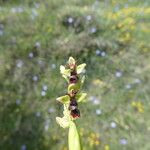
{"points": [[65, 148], [106, 147], [49, 29], [125, 37], [94, 139], [98, 82], [130, 11], [127, 24], [81, 131], [138, 105]]}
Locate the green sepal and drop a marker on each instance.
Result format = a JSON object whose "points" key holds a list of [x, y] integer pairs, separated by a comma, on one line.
{"points": [[64, 99], [80, 68], [63, 122], [64, 71], [71, 61], [81, 97]]}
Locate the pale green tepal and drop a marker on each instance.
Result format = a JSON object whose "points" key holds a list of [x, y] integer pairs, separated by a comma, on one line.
{"points": [[73, 94]]}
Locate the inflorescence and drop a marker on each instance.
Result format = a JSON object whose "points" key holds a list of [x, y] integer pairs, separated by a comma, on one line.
{"points": [[73, 75]]}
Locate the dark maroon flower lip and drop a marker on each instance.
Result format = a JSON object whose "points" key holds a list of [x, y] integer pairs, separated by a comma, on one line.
{"points": [[75, 113], [73, 79], [73, 107], [73, 102]]}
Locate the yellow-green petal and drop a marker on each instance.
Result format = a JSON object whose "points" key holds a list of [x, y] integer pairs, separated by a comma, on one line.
{"points": [[80, 68], [64, 99], [81, 97], [64, 71]]}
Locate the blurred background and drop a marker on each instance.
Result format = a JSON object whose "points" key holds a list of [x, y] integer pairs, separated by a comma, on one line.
{"points": [[111, 36]]}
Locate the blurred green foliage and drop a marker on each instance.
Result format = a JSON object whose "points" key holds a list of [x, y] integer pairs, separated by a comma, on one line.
{"points": [[110, 36]]}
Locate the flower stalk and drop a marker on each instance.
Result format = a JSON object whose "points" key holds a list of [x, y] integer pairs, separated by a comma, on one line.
{"points": [[73, 75], [74, 137]]}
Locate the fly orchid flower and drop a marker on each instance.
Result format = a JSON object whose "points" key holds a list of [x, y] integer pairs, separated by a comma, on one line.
{"points": [[71, 72]]}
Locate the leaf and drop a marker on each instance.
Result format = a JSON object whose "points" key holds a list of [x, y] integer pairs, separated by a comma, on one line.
{"points": [[81, 97], [63, 122], [64, 99], [74, 138], [73, 87], [71, 61], [64, 71], [80, 68]]}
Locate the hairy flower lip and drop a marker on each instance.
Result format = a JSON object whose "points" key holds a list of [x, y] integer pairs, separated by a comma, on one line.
{"points": [[72, 107], [75, 113], [73, 79], [73, 102]]}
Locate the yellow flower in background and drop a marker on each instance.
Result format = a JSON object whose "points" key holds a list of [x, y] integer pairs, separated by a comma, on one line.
{"points": [[147, 11], [81, 131], [94, 139], [49, 29], [126, 12], [125, 37], [138, 105], [98, 82], [106, 147], [65, 148]]}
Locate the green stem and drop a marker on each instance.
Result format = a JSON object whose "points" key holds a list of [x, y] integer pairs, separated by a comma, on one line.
{"points": [[74, 137]]}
